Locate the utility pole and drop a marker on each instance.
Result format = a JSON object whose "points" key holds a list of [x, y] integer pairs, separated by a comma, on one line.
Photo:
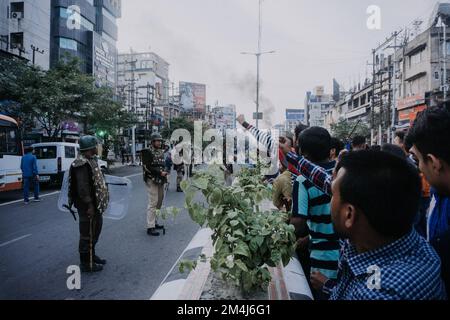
{"points": [[394, 89], [442, 24], [258, 61], [35, 49], [131, 99], [372, 102]]}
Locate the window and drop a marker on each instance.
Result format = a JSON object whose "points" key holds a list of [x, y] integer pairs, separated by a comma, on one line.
{"points": [[436, 75], [416, 58], [69, 152], [16, 40], [107, 14], [45, 152], [17, 8], [8, 141], [69, 44]]}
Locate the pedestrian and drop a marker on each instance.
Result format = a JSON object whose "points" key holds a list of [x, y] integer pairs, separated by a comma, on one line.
{"points": [[123, 151], [89, 194], [375, 199], [430, 140], [359, 143], [313, 209], [282, 189], [155, 177], [336, 147], [30, 175]]}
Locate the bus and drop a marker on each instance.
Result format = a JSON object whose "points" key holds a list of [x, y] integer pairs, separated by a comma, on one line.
{"points": [[11, 151]]}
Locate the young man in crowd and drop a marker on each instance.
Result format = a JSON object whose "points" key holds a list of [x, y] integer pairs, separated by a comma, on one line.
{"points": [[313, 208], [375, 200], [359, 143], [336, 147], [430, 140]]}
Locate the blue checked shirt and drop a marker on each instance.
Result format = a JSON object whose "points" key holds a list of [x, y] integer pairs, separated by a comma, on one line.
{"points": [[409, 269]]}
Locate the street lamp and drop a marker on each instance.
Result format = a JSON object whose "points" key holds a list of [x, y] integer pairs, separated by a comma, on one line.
{"points": [[258, 62]]}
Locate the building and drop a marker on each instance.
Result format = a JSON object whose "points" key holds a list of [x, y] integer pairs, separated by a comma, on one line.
{"points": [[421, 67], [193, 100], [25, 30], [293, 118], [224, 117], [87, 29], [280, 129], [317, 105], [143, 85]]}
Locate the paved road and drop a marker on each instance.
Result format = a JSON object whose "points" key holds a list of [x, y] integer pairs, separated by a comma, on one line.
{"points": [[38, 243]]}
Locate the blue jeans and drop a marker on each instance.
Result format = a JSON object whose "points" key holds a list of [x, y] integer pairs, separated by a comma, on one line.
{"points": [[26, 187]]}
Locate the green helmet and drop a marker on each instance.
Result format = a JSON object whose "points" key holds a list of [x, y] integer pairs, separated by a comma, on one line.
{"points": [[156, 136], [88, 143]]}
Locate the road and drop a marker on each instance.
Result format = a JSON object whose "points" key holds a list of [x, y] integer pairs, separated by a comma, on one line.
{"points": [[38, 243]]}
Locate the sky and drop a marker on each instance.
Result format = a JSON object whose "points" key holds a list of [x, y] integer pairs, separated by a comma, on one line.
{"points": [[315, 41]]}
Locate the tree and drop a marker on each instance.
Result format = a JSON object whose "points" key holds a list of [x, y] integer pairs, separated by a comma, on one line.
{"points": [[62, 93], [345, 129], [178, 123]]}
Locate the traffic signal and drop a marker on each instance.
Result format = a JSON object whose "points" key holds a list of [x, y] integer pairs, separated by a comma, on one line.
{"points": [[101, 133]]}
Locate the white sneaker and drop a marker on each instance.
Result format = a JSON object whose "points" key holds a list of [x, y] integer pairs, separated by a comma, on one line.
{"points": [[37, 200]]}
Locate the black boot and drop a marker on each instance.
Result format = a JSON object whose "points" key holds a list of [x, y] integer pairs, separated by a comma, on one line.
{"points": [[159, 226], [99, 260], [152, 232], [85, 267]]}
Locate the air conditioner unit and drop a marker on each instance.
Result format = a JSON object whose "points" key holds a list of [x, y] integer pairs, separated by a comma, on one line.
{"points": [[16, 15]]}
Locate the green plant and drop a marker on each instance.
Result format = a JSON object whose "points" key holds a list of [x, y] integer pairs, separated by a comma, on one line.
{"points": [[246, 239]]}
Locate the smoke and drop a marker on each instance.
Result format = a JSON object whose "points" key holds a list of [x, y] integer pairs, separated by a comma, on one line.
{"points": [[245, 85]]}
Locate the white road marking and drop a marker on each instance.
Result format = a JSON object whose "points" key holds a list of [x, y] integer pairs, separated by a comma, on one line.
{"points": [[134, 175], [21, 200], [14, 240]]}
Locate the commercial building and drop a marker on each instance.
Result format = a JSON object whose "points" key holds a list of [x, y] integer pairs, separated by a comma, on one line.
{"points": [[224, 117], [143, 85], [317, 104], [293, 118], [25, 30], [87, 29]]}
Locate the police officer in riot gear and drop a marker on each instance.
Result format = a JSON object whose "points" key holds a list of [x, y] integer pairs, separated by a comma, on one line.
{"points": [[89, 194], [155, 177]]}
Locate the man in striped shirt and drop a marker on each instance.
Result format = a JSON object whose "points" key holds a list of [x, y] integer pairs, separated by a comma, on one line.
{"points": [[313, 208]]}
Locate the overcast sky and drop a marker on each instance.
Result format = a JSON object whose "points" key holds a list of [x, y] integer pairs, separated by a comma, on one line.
{"points": [[315, 41]]}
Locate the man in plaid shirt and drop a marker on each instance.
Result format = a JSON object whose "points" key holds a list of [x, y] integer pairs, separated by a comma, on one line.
{"points": [[375, 199]]}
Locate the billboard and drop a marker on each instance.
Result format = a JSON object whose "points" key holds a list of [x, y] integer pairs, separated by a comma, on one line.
{"points": [[193, 96], [105, 61], [295, 115]]}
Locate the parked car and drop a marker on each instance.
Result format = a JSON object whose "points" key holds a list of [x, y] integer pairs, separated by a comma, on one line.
{"points": [[54, 158]]}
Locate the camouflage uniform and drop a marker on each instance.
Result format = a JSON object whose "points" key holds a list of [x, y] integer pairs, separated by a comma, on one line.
{"points": [[87, 189], [153, 161]]}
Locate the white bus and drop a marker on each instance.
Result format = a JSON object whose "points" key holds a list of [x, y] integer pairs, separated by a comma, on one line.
{"points": [[11, 151]]}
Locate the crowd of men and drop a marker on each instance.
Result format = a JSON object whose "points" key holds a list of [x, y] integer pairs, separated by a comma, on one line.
{"points": [[372, 222]]}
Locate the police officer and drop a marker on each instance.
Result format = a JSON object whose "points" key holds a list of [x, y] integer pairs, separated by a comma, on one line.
{"points": [[155, 176], [89, 193]]}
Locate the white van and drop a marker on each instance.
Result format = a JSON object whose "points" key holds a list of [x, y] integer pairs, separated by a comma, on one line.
{"points": [[54, 158]]}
